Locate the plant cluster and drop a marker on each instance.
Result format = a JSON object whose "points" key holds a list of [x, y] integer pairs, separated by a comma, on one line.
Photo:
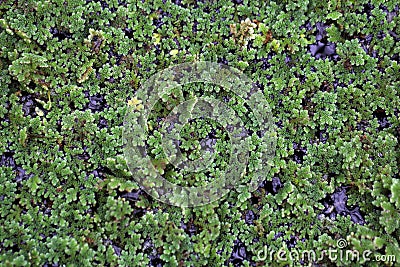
{"points": [[69, 71]]}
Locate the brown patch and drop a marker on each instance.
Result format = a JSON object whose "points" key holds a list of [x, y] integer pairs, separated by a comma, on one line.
{"points": [[233, 29], [268, 37], [347, 65]]}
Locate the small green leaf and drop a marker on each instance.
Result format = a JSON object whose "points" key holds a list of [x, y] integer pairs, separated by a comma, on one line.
{"points": [[379, 242], [395, 188], [334, 15], [22, 136], [244, 196], [173, 52]]}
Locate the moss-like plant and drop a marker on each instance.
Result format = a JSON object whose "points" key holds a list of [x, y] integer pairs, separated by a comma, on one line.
{"points": [[70, 70]]}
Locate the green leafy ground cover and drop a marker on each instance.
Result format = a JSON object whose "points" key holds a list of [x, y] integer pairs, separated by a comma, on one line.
{"points": [[330, 73]]}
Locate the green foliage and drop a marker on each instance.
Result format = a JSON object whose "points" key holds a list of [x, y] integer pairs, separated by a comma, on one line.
{"points": [[27, 68], [68, 68]]}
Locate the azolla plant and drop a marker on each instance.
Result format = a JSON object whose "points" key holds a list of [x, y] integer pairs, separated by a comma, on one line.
{"points": [[70, 72]]}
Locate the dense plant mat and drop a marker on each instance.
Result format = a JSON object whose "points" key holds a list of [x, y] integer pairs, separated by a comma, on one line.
{"points": [[69, 69]]}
